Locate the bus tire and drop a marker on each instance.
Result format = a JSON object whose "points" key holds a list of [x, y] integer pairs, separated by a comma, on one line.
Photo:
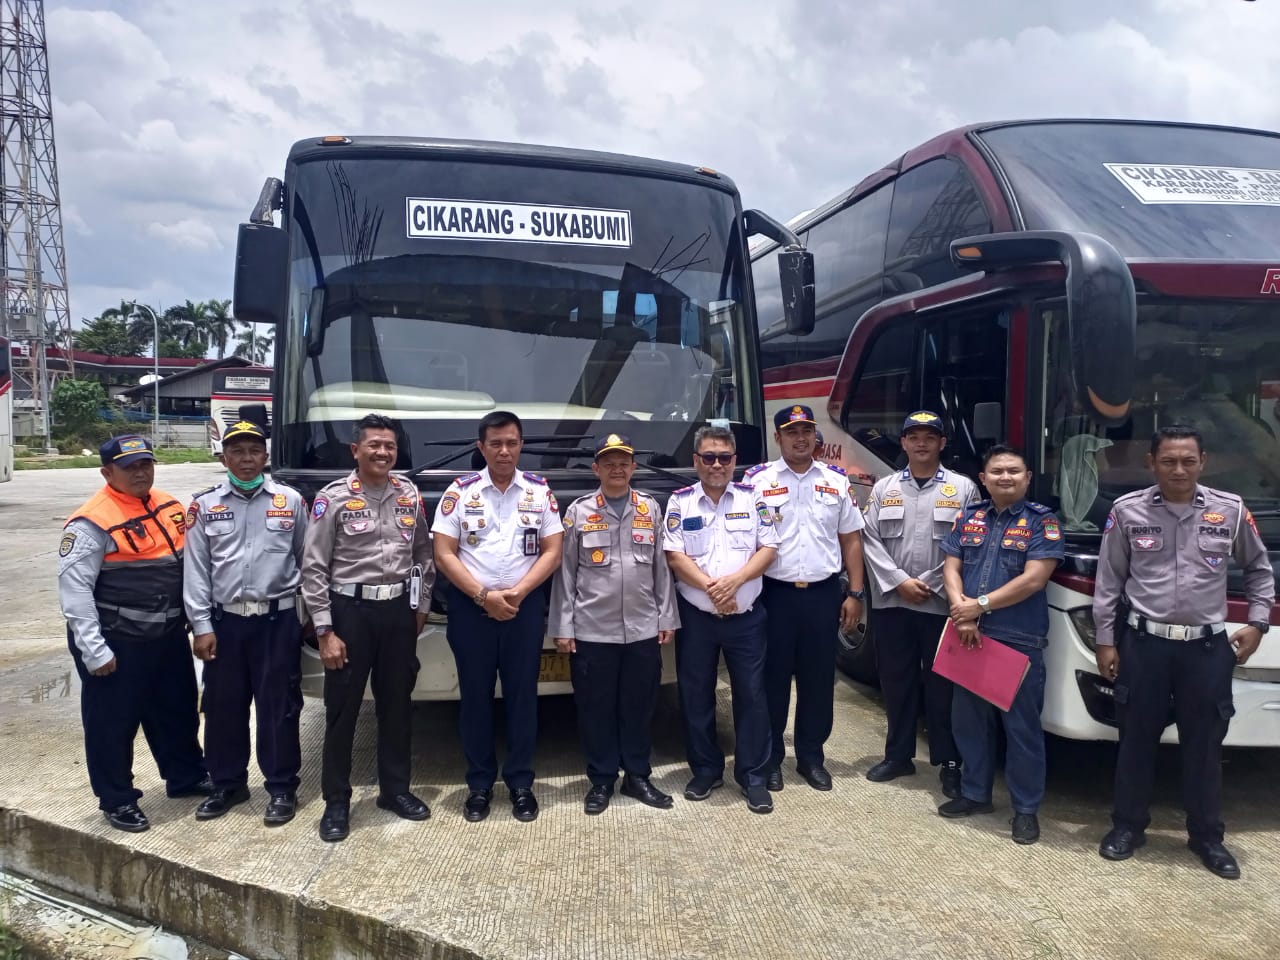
{"points": [[856, 652]]}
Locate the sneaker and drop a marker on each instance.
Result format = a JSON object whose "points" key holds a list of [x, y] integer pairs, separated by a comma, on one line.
{"points": [[963, 807], [758, 799], [1026, 828], [700, 787]]}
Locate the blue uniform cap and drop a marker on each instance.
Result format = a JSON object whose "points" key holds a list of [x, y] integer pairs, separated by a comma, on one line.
{"points": [[124, 450], [244, 428], [798, 413], [923, 418]]}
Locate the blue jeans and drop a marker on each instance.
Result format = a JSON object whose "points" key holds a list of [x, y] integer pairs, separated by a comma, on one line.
{"points": [[973, 722]]}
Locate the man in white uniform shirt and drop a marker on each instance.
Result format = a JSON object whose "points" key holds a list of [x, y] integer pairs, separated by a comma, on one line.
{"points": [[818, 522], [720, 538], [497, 539]]}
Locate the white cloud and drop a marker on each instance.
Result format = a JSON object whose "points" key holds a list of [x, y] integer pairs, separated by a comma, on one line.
{"points": [[170, 115]]}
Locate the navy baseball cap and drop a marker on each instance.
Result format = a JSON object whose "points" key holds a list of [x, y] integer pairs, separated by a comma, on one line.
{"points": [[923, 418], [244, 428], [122, 451], [614, 441], [798, 413]]}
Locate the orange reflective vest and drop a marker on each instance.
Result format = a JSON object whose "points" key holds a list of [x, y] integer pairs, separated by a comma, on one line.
{"points": [[139, 589]]}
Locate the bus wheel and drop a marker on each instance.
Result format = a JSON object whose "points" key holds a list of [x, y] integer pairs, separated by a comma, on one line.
{"points": [[856, 651]]}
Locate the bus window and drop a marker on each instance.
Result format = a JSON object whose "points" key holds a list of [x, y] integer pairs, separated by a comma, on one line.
{"points": [[887, 388], [932, 205]]}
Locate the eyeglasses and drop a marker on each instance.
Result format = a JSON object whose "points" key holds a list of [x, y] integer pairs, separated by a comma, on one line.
{"points": [[724, 459]]}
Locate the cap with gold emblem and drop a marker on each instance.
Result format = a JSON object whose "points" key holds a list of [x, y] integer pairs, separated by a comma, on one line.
{"points": [[797, 413], [923, 418], [126, 450], [614, 441], [244, 428]]}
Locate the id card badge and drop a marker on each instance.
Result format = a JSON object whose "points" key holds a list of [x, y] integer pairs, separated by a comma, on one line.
{"points": [[415, 585], [531, 543]]}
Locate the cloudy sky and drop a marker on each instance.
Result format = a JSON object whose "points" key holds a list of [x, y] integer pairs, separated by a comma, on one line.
{"points": [[170, 113]]}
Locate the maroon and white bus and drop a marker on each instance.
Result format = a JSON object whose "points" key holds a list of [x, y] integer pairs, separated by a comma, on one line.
{"points": [[231, 389], [1066, 286]]}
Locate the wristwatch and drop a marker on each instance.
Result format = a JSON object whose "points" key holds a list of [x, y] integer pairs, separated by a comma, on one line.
{"points": [[1260, 625], [858, 595], [323, 631], [984, 602]]}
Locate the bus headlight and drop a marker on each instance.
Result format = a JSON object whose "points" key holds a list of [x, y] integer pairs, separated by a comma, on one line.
{"points": [[1082, 620]]}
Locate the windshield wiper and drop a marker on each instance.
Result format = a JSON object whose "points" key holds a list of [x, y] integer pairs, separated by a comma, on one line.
{"points": [[468, 445]]}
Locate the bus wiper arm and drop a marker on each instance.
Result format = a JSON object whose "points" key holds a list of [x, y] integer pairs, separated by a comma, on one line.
{"points": [[468, 444]]}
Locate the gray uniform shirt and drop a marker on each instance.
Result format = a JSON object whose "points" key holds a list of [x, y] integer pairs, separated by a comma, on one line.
{"points": [[905, 527], [1174, 569], [241, 548], [613, 585], [84, 546], [360, 535]]}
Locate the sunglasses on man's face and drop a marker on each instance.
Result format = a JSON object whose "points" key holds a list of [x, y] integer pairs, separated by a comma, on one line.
{"points": [[724, 459]]}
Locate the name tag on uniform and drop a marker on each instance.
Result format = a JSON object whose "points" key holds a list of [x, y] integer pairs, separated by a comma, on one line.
{"points": [[831, 490], [531, 543]]}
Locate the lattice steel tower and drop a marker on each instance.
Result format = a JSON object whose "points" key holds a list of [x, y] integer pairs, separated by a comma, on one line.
{"points": [[33, 265]]}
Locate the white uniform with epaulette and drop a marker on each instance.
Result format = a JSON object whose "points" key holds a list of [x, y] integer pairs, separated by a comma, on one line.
{"points": [[810, 511]]}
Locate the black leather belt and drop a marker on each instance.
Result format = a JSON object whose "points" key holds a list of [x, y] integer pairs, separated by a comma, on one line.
{"points": [[801, 584]]}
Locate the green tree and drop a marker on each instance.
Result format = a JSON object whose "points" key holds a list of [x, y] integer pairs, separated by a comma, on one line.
{"points": [[255, 345], [107, 335], [220, 325], [77, 405]]}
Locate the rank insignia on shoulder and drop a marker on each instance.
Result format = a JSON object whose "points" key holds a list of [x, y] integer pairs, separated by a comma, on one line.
{"points": [[1037, 507], [682, 491], [200, 493], [744, 487], [754, 470], [835, 467], [465, 479], [534, 478]]}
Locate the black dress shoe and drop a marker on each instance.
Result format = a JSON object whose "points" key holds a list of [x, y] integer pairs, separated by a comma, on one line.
{"points": [[949, 775], [1026, 828], [524, 805], [773, 780], [281, 809], [336, 823], [700, 787], [127, 817], [639, 788], [476, 807], [887, 770], [405, 806], [817, 777], [220, 801], [758, 799], [1217, 858], [1120, 843], [202, 788], [596, 800], [963, 807]]}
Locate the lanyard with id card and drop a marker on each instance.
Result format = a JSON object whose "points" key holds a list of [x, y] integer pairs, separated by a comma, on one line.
{"points": [[531, 543]]}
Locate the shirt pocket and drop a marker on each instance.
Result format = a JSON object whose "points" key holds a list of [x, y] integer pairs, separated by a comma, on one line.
{"points": [[944, 518], [642, 545], [279, 538], [697, 543], [219, 528], [742, 533], [892, 522], [594, 549], [1013, 553], [1215, 550]]}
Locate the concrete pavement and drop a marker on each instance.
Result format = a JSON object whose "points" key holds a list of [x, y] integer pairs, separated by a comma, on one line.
{"points": [[864, 871]]}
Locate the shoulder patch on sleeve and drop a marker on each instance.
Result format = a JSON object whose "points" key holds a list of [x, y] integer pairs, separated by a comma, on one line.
{"points": [[758, 468], [68, 542], [465, 479], [320, 507], [534, 478]]}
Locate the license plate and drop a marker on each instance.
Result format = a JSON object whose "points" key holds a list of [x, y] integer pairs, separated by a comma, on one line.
{"points": [[555, 667]]}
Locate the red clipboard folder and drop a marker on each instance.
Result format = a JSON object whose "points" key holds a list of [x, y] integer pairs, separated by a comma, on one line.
{"points": [[992, 671]]}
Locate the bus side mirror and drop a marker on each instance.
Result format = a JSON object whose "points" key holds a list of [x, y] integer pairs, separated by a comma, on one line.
{"points": [[988, 421], [262, 274], [795, 273]]}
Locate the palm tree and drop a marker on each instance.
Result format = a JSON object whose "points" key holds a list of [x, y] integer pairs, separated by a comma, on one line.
{"points": [[186, 323], [255, 347], [220, 325]]}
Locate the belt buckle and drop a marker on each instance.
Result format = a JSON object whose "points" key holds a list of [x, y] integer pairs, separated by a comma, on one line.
{"points": [[1178, 631], [802, 585], [381, 592]]}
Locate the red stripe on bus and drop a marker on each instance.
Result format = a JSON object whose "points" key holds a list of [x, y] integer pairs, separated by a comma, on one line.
{"points": [[797, 390], [4, 387], [239, 396]]}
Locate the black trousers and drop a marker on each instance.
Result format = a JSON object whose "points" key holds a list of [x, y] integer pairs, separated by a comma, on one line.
{"points": [[699, 643], [615, 686], [486, 650], [1196, 674], [256, 661], [801, 631], [153, 686], [382, 640], [906, 643]]}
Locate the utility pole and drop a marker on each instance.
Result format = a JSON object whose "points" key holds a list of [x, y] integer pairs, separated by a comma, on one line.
{"points": [[33, 265]]}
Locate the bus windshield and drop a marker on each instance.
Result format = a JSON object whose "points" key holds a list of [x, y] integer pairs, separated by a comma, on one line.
{"points": [[1214, 365], [1152, 190], [586, 302]]}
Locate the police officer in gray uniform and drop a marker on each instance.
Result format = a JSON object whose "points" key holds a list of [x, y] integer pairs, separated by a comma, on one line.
{"points": [[908, 516], [240, 580], [612, 607], [367, 573], [1166, 550]]}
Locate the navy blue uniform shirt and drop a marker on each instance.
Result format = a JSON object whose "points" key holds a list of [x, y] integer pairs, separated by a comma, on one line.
{"points": [[995, 547]]}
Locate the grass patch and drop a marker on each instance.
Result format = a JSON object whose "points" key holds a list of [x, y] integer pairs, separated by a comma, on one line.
{"points": [[10, 945], [163, 455]]}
